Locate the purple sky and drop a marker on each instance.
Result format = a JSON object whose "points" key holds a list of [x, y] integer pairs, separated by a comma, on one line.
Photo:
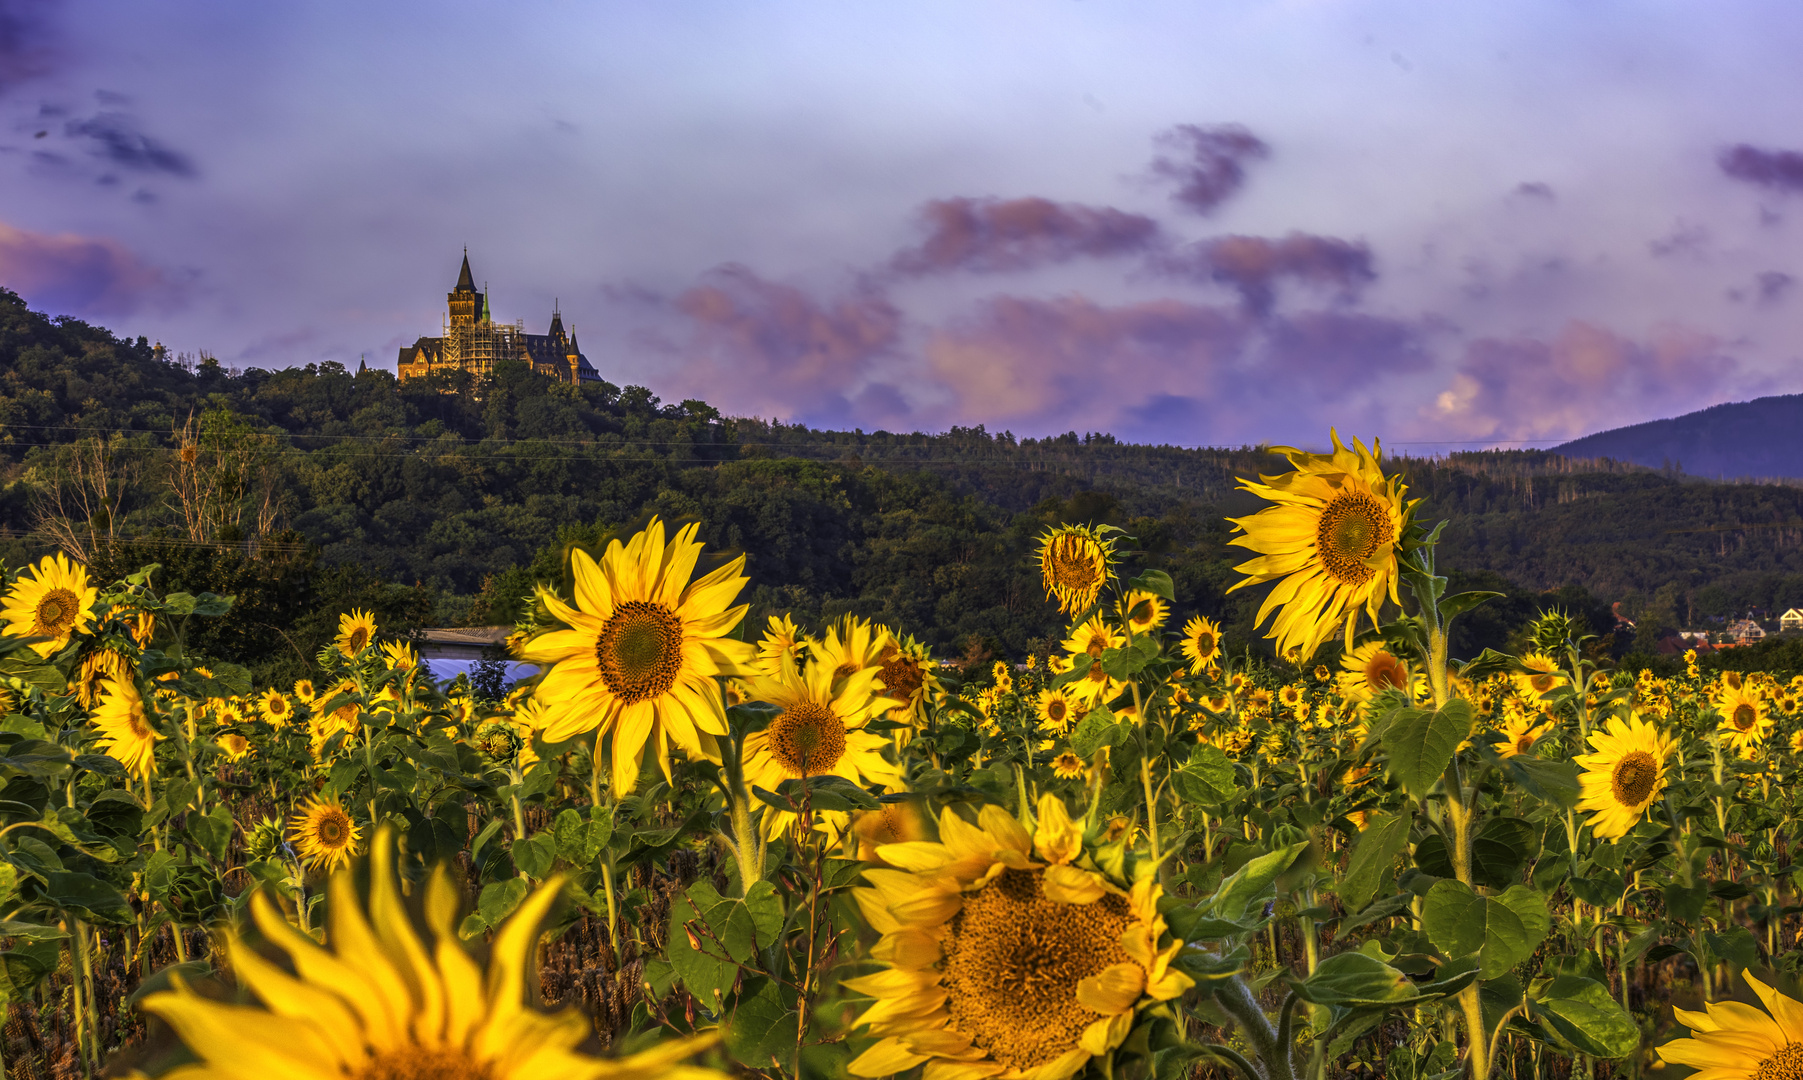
{"points": [[1194, 223]]}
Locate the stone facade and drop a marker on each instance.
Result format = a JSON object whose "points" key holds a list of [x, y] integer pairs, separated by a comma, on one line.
{"points": [[472, 341]]}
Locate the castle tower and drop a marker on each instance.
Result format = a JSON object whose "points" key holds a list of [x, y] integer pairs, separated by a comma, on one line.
{"points": [[465, 302], [556, 333]]}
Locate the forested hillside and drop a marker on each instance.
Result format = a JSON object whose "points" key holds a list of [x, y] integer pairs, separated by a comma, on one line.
{"points": [[307, 489], [1745, 439]]}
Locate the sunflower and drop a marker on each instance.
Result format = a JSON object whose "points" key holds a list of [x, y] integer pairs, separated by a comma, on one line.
{"points": [[1056, 710], [820, 732], [324, 834], [1624, 775], [1796, 741], [99, 664], [399, 655], [1290, 696], [894, 823], [1074, 561], [1008, 954], [52, 602], [1068, 766], [355, 631], [304, 692], [1520, 732], [1543, 675], [236, 746], [645, 644], [1371, 669], [907, 676], [1745, 720], [851, 645], [1092, 639], [276, 708], [1144, 612], [781, 644], [126, 735], [1330, 543], [385, 1002], [1732, 1041]]}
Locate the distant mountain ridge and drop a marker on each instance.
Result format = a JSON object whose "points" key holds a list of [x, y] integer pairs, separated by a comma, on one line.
{"points": [[1744, 439]]}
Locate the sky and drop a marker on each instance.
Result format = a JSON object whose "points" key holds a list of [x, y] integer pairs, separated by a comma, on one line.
{"points": [[1202, 222]]}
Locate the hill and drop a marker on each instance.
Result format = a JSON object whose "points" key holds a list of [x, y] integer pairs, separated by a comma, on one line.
{"points": [[310, 489], [1746, 439]]}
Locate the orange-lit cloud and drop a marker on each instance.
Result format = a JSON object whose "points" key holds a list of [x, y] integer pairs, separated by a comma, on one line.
{"points": [[76, 275]]}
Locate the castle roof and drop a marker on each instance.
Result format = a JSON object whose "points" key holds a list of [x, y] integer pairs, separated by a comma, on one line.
{"points": [[466, 282]]}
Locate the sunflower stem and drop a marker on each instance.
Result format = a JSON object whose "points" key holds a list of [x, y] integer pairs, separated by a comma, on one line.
{"points": [[1236, 1001]]}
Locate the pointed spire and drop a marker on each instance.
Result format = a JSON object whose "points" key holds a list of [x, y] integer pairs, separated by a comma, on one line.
{"points": [[466, 282]]}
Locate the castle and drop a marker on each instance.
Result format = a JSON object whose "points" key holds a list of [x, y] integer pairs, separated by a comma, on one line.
{"points": [[472, 341]]}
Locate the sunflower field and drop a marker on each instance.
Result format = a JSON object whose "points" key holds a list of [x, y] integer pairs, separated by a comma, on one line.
{"points": [[691, 847]]}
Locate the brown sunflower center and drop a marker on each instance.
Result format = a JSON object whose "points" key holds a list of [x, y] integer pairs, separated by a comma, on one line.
{"points": [[1542, 682], [845, 671], [1634, 777], [1385, 672], [1143, 613], [1732, 679], [359, 638], [902, 677], [1013, 960], [1204, 642], [1525, 742], [1056, 710], [1745, 716], [56, 613], [1786, 1064], [807, 739], [1353, 526], [419, 1063], [1071, 565], [139, 723], [640, 651]]}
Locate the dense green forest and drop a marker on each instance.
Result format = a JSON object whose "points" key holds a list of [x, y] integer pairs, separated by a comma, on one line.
{"points": [[439, 502]]}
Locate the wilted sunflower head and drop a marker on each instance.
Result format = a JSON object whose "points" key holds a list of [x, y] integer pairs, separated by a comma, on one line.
{"points": [[1074, 563]]}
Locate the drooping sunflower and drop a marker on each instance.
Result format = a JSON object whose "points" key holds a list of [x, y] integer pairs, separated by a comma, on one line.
{"points": [[1056, 710], [126, 734], [1520, 732], [1745, 719], [820, 732], [276, 708], [644, 647], [1201, 643], [908, 676], [1068, 766], [1008, 954], [1371, 669], [99, 665], [1144, 612], [1330, 543], [324, 834], [1624, 775], [1074, 562], [1732, 1041], [355, 631], [1543, 676], [386, 1002], [50, 600], [782, 644]]}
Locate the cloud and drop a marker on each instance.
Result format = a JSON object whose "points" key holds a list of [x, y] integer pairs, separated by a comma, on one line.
{"points": [[989, 235], [69, 274], [771, 349], [1535, 189], [1341, 353], [1781, 170], [26, 33], [1253, 265], [1585, 379], [1774, 285], [118, 140], [1208, 163]]}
